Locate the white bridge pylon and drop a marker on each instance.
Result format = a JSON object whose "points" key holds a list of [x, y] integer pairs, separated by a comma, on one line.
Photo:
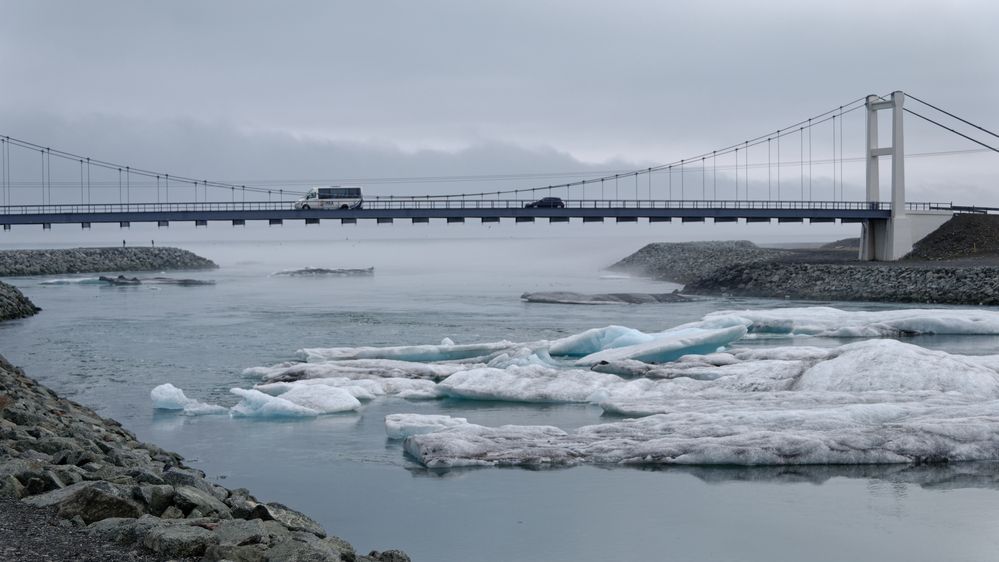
{"points": [[892, 239]]}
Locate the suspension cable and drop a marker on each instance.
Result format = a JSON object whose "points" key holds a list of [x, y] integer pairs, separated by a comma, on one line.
{"points": [[952, 115], [958, 133]]}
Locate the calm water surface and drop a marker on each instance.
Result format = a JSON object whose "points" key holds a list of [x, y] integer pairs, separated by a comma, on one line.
{"points": [[108, 346]]}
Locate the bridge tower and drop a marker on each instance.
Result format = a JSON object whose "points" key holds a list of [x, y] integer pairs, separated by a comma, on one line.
{"points": [[891, 239]]}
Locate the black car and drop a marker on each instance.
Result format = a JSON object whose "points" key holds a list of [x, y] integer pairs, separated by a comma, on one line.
{"points": [[546, 203]]}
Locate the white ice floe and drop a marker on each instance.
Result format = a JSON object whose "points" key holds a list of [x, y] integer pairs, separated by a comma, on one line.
{"points": [[833, 322], [529, 383], [323, 399], [410, 352], [893, 366], [256, 404], [733, 433], [169, 397], [876, 401], [73, 281], [401, 426], [362, 389], [669, 346], [598, 339], [357, 369]]}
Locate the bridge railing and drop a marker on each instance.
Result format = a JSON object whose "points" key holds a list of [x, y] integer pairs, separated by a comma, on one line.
{"points": [[399, 203]]}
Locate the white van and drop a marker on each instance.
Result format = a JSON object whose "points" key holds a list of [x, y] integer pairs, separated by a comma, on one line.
{"points": [[335, 197]]}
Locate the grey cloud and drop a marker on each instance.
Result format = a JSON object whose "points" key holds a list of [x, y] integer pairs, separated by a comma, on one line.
{"points": [[639, 81]]}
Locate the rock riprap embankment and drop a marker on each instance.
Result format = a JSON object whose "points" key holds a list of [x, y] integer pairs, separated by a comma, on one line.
{"points": [[833, 272], [855, 282], [13, 304], [87, 260], [683, 262], [58, 454]]}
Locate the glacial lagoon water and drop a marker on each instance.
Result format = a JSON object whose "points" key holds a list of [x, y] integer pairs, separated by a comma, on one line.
{"points": [[107, 347]]}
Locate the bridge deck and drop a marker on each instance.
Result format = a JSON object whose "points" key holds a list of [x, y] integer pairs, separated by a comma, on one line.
{"points": [[421, 210]]}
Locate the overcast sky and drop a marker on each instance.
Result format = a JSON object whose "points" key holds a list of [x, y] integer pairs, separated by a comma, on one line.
{"points": [[298, 91]]}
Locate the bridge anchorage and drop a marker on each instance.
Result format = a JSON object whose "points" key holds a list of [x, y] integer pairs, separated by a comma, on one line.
{"points": [[780, 184]]}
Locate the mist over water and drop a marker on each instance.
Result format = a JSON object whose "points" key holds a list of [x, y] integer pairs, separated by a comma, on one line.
{"points": [[107, 347]]}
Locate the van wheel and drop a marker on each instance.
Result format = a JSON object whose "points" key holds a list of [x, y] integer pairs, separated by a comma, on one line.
{"points": [[344, 206], [306, 207]]}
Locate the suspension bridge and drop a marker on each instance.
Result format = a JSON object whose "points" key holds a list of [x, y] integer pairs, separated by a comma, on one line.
{"points": [[723, 185]]}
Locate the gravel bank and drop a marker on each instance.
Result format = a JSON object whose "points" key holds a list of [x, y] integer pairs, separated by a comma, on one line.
{"points": [[87, 260], [687, 262], [61, 457], [957, 264], [690, 261], [963, 236], [854, 282], [13, 304]]}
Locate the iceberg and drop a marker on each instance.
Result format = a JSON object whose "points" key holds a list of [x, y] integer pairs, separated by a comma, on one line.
{"points": [[669, 346], [476, 445], [529, 383], [362, 389], [323, 399], [356, 369], [419, 353], [848, 434], [893, 366], [169, 397], [401, 426], [877, 401], [833, 322], [256, 404], [72, 281], [598, 339]]}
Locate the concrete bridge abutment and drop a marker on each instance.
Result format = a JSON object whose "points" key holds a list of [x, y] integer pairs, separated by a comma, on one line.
{"points": [[892, 239]]}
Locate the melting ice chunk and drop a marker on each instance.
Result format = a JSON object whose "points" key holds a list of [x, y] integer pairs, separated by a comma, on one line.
{"points": [[323, 399], [169, 397], [878, 401], [833, 322], [447, 352], [531, 383], [362, 389], [669, 345], [598, 339], [357, 369], [401, 426], [256, 404]]}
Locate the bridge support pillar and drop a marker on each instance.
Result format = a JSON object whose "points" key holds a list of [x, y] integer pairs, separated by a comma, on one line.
{"points": [[887, 240]]}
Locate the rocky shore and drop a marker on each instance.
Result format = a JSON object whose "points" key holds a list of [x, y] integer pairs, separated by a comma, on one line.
{"points": [[13, 303], [684, 262], [88, 260], [94, 485], [957, 264], [854, 282]]}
